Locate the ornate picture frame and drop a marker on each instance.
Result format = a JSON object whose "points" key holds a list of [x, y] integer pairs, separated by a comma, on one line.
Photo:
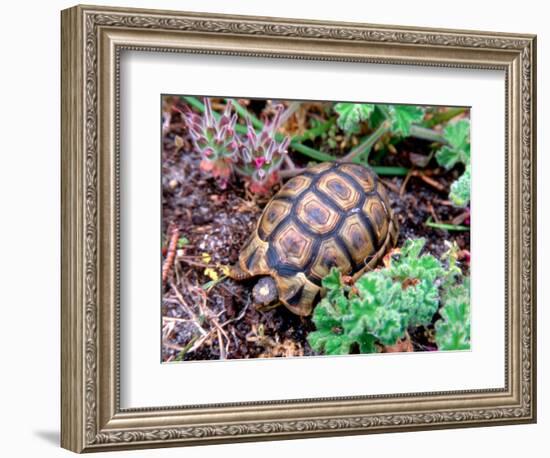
{"points": [[93, 39]]}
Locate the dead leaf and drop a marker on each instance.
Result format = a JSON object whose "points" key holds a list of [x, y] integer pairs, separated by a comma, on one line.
{"points": [[402, 346]]}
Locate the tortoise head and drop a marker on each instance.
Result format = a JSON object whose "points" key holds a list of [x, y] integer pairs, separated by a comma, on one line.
{"points": [[265, 294]]}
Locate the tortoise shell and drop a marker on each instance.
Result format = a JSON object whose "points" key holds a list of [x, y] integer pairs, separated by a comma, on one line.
{"points": [[332, 215]]}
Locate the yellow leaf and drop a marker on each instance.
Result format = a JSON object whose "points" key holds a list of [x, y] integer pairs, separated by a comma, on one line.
{"points": [[224, 269], [209, 272], [206, 258]]}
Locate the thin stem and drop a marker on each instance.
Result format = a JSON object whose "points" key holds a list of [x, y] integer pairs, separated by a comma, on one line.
{"points": [[390, 170], [444, 116], [447, 227], [242, 111], [195, 103], [289, 173], [427, 134], [311, 152], [210, 284], [418, 131], [314, 132], [289, 162], [385, 111], [186, 348], [290, 110], [367, 144]]}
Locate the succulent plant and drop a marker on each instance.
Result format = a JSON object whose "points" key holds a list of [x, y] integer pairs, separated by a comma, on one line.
{"points": [[215, 140], [256, 156], [261, 154]]}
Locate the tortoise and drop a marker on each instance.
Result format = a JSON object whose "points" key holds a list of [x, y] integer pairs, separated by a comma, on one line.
{"points": [[331, 215]]}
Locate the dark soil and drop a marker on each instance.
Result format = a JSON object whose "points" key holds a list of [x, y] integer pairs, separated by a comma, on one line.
{"points": [[222, 323]]}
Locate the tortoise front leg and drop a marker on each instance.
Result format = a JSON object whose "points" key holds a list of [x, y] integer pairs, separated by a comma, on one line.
{"points": [[236, 273]]}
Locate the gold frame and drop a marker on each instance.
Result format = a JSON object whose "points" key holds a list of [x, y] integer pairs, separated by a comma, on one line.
{"points": [[92, 39]]}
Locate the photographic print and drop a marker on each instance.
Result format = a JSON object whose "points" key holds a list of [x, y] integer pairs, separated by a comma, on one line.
{"points": [[309, 228], [215, 232]]}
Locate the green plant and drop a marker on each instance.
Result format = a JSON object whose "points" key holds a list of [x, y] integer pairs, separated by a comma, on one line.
{"points": [[400, 118], [403, 117], [452, 331], [296, 142], [350, 115], [382, 304], [457, 151], [460, 189]]}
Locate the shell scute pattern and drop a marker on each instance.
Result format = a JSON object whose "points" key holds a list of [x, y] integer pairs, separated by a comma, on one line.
{"points": [[340, 190], [333, 215], [312, 210], [274, 213], [292, 245], [331, 254], [295, 186], [357, 238]]}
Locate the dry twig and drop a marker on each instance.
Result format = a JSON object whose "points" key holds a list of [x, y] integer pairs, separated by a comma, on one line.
{"points": [[171, 254], [424, 177]]}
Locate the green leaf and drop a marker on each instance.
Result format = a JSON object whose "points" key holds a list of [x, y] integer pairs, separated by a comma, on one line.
{"points": [[403, 116], [333, 280], [420, 302], [409, 264], [367, 343], [386, 302], [391, 327], [452, 331], [366, 286], [447, 157], [460, 189], [430, 267], [458, 135], [375, 311], [412, 247], [350, 115], [458, 149], [378, 116], [338, 345], [326, 316], [318, 339]]}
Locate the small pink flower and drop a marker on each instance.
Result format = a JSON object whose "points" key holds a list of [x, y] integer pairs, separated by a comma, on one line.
{"points": [[259, 161]]}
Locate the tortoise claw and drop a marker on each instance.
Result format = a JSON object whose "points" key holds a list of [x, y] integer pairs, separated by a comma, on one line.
{"points": [[236, 273]]}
